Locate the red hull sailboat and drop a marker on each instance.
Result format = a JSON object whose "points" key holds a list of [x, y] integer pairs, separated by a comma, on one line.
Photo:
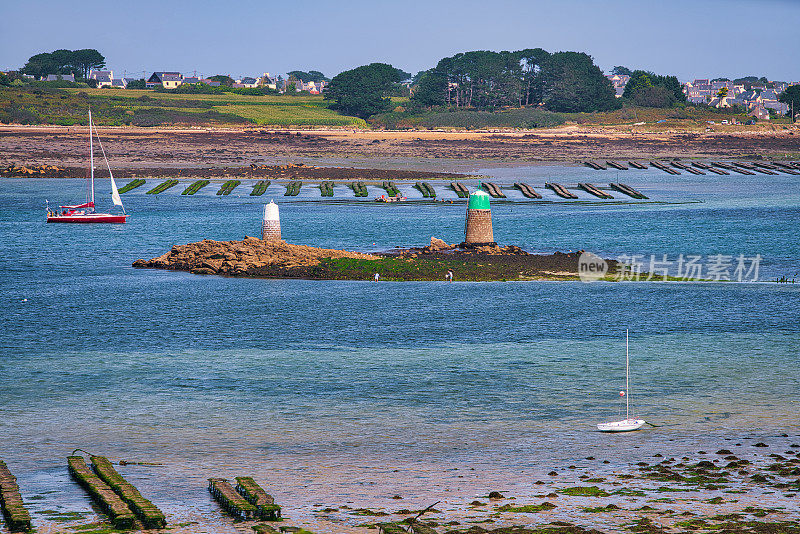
{"points": [[85, 213]]}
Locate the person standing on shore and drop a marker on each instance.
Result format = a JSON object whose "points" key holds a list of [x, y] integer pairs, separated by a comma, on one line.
{"points": [[449, 276], [376, 277]]}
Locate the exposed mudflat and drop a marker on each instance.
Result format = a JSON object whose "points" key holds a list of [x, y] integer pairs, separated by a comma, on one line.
{"points": [[149, 150]]}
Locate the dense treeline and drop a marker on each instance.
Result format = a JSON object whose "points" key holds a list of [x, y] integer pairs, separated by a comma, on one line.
{"points": [[365, 90], [310, 76], [651, 90], [485, 80], [76, 62]]}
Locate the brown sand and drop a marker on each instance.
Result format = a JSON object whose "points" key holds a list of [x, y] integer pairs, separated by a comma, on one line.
{"points": [[171, 148]]}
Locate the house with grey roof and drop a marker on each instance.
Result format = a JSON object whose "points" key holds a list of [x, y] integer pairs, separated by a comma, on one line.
{"points": [[247, 82], [169, 80], [104, 78]]}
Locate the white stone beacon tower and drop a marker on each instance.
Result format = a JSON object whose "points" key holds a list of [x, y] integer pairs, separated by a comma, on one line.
{"points": [[271, 224], [478, 227]]}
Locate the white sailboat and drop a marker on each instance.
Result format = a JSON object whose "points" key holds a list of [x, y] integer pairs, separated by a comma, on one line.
{"points": [[628, 424]]}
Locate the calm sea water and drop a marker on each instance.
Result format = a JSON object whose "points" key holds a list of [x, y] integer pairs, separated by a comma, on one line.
{"points": [[353, 391]]}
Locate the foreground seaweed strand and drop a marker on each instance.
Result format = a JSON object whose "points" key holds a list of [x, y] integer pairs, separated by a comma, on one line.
{"points": [[17, 517], [255, 495], [117, 511], [147, 512], [256, 258]]}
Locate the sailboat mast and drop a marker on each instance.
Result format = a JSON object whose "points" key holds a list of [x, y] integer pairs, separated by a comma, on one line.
{"points": [[90, 192], [627, 393]]}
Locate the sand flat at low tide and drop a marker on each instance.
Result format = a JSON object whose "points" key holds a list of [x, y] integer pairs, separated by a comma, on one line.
{"points": [[144, 147]]}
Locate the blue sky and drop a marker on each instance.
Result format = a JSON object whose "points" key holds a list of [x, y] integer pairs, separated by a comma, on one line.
{"points": [[690, 39]]}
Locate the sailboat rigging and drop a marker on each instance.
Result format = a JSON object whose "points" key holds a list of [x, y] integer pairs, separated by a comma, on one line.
{"points": [[628, 424], [85, 213]]}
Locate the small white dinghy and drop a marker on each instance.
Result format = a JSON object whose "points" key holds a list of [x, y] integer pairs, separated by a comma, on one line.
{"points": [[628, 424]]}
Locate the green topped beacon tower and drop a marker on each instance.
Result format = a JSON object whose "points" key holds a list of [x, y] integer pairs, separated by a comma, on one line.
{"points": [[478, 227]]}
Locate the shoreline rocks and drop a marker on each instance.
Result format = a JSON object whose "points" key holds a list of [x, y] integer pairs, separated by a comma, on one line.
{"points": [[252, 257], [249, 257]]}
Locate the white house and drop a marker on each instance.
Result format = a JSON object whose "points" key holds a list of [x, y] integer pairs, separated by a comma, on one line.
{"points": [[170, 80], [247, 83], [105, 78]]}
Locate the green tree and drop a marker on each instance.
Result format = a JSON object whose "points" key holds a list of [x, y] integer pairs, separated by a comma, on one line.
{"points": [[791, 97], [482, 79], [531, 62], [418, 76], [430, 88], [652, 90], [619, 70], [573, 83], [310, 76], [137, 84], [40, 65], [657, 96], [86, 60], [362, 91], [223, 79], [63, 61]]}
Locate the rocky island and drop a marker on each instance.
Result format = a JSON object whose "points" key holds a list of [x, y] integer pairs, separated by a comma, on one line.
{"points": [[253, 257]]}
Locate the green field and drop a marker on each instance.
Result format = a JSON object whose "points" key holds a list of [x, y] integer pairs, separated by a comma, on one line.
{"points": [[679, 117], [119, 107], [140, 107], [278, 110], [469, 119]]}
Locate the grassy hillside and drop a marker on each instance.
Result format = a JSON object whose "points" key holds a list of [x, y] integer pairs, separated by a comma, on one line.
{"points": [[42, 104], [467, 119], [115, 107], [682, 118]]}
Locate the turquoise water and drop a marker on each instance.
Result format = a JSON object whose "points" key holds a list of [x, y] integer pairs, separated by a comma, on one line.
{"points": [[327, 388]]}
